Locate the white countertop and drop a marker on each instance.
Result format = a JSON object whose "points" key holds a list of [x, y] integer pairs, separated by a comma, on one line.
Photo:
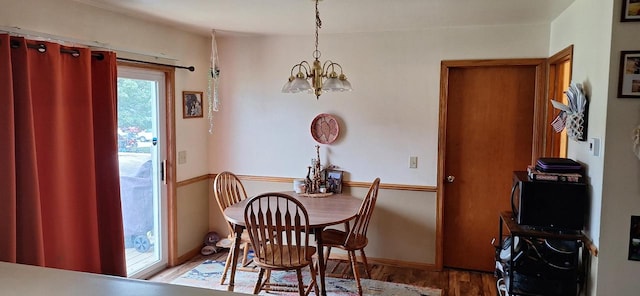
{"points": [[22, 280]]}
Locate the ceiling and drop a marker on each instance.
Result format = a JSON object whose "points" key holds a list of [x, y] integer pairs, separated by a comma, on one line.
{"points": [[296, 17]]}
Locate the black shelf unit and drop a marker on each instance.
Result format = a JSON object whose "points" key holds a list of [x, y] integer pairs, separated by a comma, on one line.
{"points": [[536, 278]]}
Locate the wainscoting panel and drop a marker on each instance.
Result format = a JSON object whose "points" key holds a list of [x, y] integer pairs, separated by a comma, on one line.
{"points": [[192, 211], [402, 230]]}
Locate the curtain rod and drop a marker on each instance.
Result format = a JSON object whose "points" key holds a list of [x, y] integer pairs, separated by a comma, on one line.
{"points": [[190, 68], [42, 48], [91, 44]]}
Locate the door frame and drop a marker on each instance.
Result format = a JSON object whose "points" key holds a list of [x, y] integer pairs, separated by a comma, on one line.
{"points": [[170, 161], [552, 138], [538, 127]]}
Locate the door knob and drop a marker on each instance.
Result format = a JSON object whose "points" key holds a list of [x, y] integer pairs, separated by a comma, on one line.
{"points": [[450, 179]]}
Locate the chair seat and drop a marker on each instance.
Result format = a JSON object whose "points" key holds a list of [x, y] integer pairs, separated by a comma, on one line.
{"points": [[279, 258], [336, 238]]}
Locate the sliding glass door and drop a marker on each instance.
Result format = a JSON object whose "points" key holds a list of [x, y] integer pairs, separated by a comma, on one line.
{"points": [[141, 97]]}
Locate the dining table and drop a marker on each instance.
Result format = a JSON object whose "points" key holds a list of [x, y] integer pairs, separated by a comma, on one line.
{"points": [[323, 210]]}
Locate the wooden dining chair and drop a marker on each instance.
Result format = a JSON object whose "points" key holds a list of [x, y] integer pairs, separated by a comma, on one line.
{"points": [[354, 238], [278, 227], [228, 190]]}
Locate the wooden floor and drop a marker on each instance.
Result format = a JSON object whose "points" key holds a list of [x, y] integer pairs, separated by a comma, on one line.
{"points": [[452, 282]]}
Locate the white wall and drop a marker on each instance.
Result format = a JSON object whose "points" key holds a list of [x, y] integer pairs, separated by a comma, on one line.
{"points": [[594, 27], [391, 114]]}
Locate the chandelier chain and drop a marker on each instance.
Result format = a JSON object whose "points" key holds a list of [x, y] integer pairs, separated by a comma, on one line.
{"points": [[318, 25]]}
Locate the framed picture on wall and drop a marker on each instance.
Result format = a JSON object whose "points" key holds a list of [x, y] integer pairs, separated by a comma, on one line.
{"points": [[191, 104], [630, 11], [629, 78], [334, 181]]}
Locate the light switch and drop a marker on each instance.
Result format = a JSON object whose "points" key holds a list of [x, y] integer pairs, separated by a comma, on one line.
{"points": [[594, 146], [413, 162], [182, 157]]}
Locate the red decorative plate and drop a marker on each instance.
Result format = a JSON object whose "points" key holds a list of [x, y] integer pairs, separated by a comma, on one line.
{"points": [[324, 128]]}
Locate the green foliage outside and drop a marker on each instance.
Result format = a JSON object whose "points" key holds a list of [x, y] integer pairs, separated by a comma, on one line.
{"points": [[134, 104], [135, 99]]}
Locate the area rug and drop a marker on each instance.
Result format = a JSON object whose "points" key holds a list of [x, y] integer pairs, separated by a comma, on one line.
{"points": [[207, 275]]}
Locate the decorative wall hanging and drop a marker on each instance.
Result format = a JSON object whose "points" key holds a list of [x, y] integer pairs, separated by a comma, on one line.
{"points": [[572, 117], [629, 77], [325, 128], [213, 94], [630, 11]]}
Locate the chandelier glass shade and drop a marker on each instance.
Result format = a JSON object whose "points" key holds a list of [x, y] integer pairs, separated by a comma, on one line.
{"points": [[318, 77]]}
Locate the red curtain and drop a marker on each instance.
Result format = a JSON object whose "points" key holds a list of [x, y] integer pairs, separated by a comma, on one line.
{"points": [[59, 185]]}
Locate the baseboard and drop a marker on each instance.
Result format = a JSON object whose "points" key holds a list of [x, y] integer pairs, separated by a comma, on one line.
{"points": [[390, 262], [188, 256]]}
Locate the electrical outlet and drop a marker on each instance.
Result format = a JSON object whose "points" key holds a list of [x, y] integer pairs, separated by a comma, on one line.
{"points": [[182, 157], [413, 162]]}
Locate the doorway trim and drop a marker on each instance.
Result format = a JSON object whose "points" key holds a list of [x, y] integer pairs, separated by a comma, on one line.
{"points": [[170, 168], [538, 127], [551, 138]]}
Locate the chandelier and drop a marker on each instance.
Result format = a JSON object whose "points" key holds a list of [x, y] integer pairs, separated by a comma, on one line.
{"points": [[319, 78]]}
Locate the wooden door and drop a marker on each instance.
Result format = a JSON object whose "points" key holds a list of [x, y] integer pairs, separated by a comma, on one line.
{"points": [[487, 114]]}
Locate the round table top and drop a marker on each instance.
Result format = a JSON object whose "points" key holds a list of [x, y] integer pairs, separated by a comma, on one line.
{"points": [[323, 211]]}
